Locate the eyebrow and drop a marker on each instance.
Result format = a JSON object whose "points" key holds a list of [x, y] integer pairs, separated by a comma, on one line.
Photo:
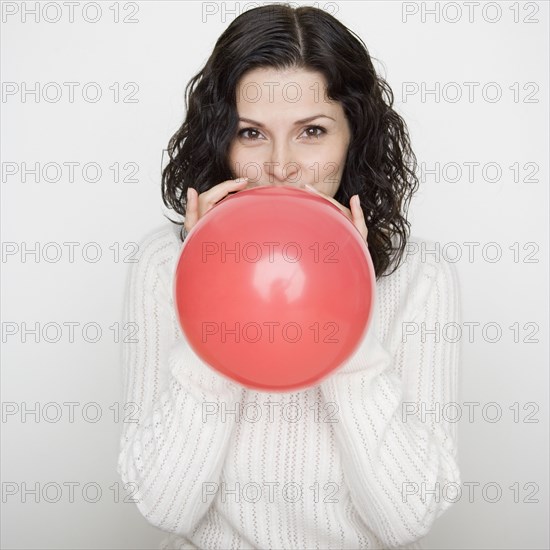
{"points": [[302, 121]]}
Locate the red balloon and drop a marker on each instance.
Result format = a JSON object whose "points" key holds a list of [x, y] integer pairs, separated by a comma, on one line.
{"points": [[274, 288]]}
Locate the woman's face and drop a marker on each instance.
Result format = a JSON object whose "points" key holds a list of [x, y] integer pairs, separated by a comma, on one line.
{"points": [[275, 144]]}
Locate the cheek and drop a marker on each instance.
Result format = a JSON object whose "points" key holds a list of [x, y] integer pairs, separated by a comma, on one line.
{"points": [[331, 166], [244, 161], [331, 163], [235, 157], [238, 152]]}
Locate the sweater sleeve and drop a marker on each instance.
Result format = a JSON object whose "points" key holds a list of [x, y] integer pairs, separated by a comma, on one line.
{"points": [[173, 445], [397, 454]]}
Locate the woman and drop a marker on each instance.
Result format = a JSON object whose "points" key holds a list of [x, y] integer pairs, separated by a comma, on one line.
{"points": [[290, 97]]}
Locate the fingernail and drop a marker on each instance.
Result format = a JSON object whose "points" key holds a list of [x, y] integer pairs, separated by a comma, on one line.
{"points": [[240, 180]]}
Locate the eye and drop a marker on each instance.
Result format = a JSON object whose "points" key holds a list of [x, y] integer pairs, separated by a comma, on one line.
{"points": [[315, 135], [318, 131], [254, 130]]}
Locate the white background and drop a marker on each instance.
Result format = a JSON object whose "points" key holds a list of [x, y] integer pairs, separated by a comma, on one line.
{"points": [[160, 53]]}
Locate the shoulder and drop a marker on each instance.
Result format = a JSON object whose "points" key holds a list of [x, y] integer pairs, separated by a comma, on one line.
{"points": [[155, 261], [424, 275], [426, 262], [159, 241]]}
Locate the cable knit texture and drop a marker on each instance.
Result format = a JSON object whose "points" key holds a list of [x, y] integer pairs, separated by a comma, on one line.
{"points": [[219, 466]]}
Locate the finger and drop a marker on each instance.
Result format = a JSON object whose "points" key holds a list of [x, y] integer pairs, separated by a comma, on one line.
{"points": [[358, 216], [192, 209], [345, 210], [212, 196]]}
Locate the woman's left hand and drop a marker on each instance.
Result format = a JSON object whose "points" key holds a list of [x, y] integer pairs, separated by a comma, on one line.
{"points": [[354, 213]]}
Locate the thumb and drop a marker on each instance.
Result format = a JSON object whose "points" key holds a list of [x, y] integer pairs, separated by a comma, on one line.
{"points": [[191, 209]]}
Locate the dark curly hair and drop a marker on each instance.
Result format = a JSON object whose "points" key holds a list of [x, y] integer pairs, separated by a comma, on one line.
{"points": [[380, 166]]}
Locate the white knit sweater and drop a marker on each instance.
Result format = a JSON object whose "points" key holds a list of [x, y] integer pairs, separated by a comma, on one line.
{"points": [[220, 466]]}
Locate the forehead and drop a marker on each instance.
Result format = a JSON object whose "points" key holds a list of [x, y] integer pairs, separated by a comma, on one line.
{"points": [[268, 94]]}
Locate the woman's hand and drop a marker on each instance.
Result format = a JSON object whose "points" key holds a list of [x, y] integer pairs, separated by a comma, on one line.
{"points": [[354, 213], [199, 205]]}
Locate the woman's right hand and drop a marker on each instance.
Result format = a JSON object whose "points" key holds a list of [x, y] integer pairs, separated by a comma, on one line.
{"points": [[199, 205]]}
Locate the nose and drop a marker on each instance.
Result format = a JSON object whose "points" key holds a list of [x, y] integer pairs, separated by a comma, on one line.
{"points": [[282, 167]]}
